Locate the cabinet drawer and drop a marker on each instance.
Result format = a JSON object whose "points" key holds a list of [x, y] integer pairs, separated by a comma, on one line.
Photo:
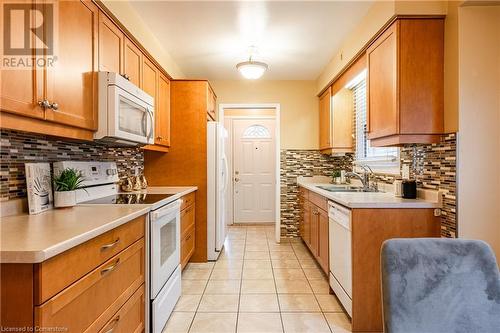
{"points": [[188, 200], [187, 246], [187, 219], [57, 273], [318, 200], [130, 317], [97, 295]]}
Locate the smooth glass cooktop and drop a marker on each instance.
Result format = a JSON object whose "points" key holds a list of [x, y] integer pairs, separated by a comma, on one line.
{"points": [[129, 199]]}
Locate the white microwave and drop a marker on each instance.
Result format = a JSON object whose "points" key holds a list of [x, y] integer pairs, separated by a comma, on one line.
{"points": [[126, 113]]}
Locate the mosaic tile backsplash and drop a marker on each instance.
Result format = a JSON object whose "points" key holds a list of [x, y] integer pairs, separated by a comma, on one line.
{"points": [[17, 148], [295, 163], [433, 166]]}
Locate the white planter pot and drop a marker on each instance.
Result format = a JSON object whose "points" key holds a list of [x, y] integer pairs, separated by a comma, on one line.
{"points": [[64, 199]]}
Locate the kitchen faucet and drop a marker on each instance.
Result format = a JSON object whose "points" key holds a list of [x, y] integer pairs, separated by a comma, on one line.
{"points": [[365, 178]]}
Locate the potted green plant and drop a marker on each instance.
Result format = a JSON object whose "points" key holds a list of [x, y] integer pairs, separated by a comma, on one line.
{"points": [[65, 185], [336, 176]]}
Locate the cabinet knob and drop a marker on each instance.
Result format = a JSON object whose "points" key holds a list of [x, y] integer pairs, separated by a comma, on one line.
{"points": [[126, 76], [54, 106], [159, 138], [44, 104]]}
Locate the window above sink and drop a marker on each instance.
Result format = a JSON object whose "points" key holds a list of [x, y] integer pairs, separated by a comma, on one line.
{"points": [[380, 160]]}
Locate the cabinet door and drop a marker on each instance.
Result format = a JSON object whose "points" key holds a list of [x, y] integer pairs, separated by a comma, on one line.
{"points": [[307, 223], [132, 62], [314, 230], [162, 136], [323, 250], [342, 117], [325, 134], [150, 79], [382, 106], [111, 45], [21, 89], [187, 246], [71, 82]]}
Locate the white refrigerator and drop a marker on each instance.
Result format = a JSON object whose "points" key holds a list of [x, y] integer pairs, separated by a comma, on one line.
{"points": [[217, 181]]}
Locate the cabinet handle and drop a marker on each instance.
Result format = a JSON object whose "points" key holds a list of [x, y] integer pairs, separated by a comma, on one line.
{"points": [[159, 138], [110, 245], [54, 106], [113, 324], [110, 268], [44, 104]]}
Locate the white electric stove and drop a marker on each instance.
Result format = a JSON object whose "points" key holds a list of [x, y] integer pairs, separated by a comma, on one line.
{"points": [[163, 270]]}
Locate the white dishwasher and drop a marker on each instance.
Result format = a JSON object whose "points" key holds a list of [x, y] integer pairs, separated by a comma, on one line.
{"points": [[340, 254]]}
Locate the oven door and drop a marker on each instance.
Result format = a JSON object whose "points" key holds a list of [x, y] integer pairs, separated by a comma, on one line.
{"points": [[129, 117], [165, 244]]}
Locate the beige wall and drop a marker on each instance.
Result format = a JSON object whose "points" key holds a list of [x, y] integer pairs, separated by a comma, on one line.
{"points": [[380, 13], [479, 112], [299, 106], [136, 26], [377, 16]]}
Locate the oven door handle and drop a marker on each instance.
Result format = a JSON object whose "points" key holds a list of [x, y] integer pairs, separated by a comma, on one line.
{"points": [[172, 208]]}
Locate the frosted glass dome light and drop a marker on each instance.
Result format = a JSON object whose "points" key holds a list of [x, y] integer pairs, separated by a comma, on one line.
{"points": [[252, 70]]}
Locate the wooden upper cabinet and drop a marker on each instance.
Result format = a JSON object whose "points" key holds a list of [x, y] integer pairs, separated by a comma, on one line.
{"points": [[158, 86], [133, 59], [162, 136], [405, 83], [21, 89], [382, 85], [72, 81], [325, 119], [111, 45], [342, 119], [150, 79]]}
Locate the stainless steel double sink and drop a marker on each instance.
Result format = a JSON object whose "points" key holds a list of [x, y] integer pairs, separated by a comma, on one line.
{"points": [[344, 188]]}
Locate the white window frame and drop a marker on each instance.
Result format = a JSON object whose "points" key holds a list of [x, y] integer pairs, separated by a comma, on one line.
{"points": [[379, 164]]}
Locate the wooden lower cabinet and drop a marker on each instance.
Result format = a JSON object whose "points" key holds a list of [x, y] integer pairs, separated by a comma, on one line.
{"points": [[79, 305], [323, 240], [188, 228], [130, 317], [97, 286], [314, 226], [370, 227]]}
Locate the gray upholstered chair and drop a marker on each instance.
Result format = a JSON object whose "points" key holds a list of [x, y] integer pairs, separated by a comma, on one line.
{"points": [[432, 285]]}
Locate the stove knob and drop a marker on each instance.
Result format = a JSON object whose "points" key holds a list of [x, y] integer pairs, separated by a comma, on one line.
{"points": [[111, 172]]}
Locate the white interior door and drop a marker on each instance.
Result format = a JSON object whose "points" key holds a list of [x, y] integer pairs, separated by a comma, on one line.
{"points": [[254, 170]]}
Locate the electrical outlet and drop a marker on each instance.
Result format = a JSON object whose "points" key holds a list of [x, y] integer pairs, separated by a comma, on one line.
{"points": [[405, 171]]}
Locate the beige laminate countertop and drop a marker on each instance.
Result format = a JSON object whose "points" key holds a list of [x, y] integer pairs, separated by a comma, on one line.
{"points": [[28, 238], [427, 199]]}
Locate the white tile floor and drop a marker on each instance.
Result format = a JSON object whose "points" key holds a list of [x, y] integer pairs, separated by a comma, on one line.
{"points": [[257, 286]]}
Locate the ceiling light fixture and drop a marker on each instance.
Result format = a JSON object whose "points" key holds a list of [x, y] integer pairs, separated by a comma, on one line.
{"points": [[252, 70]]}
